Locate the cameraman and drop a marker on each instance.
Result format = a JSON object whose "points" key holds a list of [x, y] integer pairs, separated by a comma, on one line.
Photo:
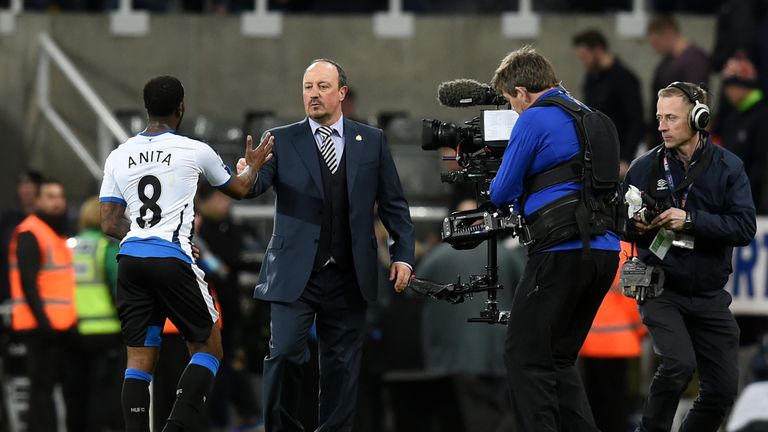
{"points": [[560, 292], [703, 208]]}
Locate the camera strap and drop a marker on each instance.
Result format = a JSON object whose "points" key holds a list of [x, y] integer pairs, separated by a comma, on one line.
{"points": [[671, 183]]}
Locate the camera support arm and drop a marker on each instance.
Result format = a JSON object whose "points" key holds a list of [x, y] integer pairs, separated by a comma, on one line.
{"points": [[456, 292]]}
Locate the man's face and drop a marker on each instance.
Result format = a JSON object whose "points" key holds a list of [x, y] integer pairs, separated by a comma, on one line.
{"points": [[52, 201], [672, 114], [516, 101], [322, 95], [736, 93], [27, 193], [661, 41], [588, 57]]}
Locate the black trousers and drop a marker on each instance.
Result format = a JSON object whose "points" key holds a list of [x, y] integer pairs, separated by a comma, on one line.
{"points": [[606, 380], [331, 300], [552, 311], [51, 360], [689, 333], [99, 385]]}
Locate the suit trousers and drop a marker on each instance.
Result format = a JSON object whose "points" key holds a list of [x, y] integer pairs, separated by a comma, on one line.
{"points": [[331, 300], [691, 332], [552, 312]]}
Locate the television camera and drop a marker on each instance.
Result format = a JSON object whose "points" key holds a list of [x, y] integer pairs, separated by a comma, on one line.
{"points": [[479, 147]]}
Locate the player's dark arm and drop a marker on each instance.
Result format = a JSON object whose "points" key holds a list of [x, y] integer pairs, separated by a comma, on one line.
{"points": [[113, 222], [28, 254], [255, 158]]}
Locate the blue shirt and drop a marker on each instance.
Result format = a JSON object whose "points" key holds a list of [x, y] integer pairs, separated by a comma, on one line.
{"points": [[543, 137]]}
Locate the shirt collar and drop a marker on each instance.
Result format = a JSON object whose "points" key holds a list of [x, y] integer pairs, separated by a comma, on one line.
{"points": [[338, 126], [696, 153]]}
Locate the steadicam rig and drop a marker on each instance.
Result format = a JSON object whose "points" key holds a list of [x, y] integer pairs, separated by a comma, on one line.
{"points": [[466, 230]]}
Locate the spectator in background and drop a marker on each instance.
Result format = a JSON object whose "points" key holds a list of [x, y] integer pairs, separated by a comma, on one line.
{"points": [[472, 354], [745, 133], [741, 27], [613, 89], [741, 30], [681, 61], [101, 346], [26, 195], [43, 294], [614, 340]]}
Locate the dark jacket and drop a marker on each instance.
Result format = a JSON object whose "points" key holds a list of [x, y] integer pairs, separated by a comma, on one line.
{"points": [[744, 133], [720, 202], [616, 92], [294, 174]]}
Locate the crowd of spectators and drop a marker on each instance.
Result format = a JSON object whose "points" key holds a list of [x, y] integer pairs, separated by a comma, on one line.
{"points": [[369, 6]]}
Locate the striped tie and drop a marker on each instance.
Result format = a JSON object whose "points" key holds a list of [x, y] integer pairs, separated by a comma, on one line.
{"points": [[327, 149]]}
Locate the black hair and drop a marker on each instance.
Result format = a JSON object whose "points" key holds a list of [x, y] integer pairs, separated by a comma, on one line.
{"points": [[204, 190], [662, 23], [48, 181], [31, 176], [590, 38], [342, 75], [162, 95]]}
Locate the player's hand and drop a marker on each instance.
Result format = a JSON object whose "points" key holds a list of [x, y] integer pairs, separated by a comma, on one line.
{"points": [[241, 164], [671, 219], [195, 251], [256, 157], [400, 273]]}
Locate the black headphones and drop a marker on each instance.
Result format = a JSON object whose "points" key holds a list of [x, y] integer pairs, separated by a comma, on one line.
{"points": [[699, 118]]}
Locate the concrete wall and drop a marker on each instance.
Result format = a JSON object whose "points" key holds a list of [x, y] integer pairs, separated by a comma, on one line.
{"points": [[226, 75]]}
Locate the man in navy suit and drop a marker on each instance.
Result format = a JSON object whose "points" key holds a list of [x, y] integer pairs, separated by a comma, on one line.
{"points": [[328, 173]]}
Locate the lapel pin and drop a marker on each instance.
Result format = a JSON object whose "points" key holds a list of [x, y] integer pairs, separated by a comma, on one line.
{"points": [[358, 138]]}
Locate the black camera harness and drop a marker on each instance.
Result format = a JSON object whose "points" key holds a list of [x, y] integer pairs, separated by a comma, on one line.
{"points": [[598, 207]]}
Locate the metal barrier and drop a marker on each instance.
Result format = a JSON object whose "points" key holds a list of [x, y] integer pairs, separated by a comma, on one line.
{"points": [[108, 125], [267, 212]]}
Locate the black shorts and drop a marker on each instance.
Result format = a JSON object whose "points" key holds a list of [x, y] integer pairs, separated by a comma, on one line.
{"points": [[149, 290]]}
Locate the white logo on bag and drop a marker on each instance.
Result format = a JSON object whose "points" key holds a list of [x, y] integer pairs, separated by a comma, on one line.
{"points": [[661, 184]]}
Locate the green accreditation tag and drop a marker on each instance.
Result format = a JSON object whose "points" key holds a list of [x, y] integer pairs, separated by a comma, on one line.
{"points": [[662, 242]]}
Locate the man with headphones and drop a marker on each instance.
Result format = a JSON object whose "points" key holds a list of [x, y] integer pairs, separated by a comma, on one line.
{"points": [[705, 208]]}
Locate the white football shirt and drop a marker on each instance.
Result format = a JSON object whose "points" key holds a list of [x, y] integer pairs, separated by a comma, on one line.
{"points": [[155, 177]]}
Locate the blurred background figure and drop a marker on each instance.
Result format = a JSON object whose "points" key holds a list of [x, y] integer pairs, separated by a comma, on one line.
{"points": [[681, 60], [44, 315], [612, 88], [26, 195], [614, 342], [743, 131], [100, 341]]}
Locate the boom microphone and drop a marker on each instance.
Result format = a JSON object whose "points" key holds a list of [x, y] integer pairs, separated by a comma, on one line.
{"points": [[467, 92]]}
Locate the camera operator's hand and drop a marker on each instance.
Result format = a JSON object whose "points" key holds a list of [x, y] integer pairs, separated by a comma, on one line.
{"points": [[640, 227], [400, 273], [671, 219]]}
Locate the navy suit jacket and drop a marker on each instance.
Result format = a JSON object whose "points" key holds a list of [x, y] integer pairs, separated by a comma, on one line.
{"points": [[294, 172]]}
